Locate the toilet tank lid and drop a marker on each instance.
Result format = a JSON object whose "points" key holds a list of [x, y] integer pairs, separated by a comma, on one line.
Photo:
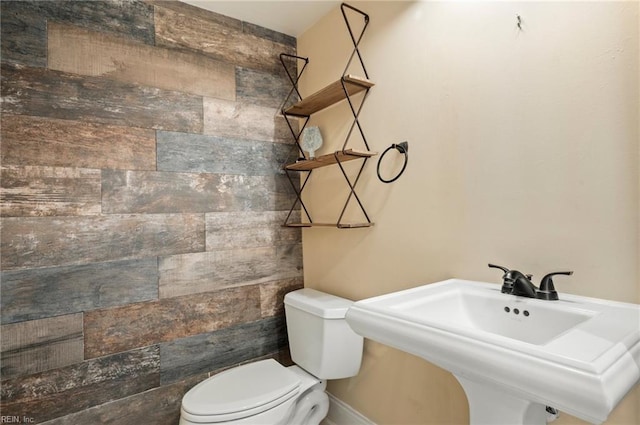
{"points": [[318, 303]]}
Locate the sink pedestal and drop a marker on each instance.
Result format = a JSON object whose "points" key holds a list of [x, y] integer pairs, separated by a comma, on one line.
{"points": [[489, 405]]}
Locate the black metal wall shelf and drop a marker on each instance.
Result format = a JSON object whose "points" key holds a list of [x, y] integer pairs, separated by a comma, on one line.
{"points": [[343, 89]]}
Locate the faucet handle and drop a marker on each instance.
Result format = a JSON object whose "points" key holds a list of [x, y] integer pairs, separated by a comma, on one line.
{"points": [[507, 278], [495, 266], [547, 289], [506, 270]]}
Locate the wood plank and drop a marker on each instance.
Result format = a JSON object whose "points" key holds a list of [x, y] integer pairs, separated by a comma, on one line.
{"points": [[158, 406], [33, 91], [188, 31], [24, 24], [198, 354], [189, 10], [329, 95], [269, 34], [225, 118], [39, 345], [131, 19], [77, 50], [168, 192], [45, 292], [23, 31], [51, 394], [136, 325], [329, 159], [59, 241], [48, 191], [29, 140], [272, 295], [230, 230], [261, 88], [196, 153], [213, 270]]}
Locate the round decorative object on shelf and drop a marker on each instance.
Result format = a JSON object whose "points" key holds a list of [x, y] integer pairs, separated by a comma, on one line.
{"points": [[311, 140]]}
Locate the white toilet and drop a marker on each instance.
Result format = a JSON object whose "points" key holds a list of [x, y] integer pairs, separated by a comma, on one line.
{"points": [[322, 345]]}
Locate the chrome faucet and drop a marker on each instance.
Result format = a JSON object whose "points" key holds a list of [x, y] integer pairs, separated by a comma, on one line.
{"points": [[517, 283]]}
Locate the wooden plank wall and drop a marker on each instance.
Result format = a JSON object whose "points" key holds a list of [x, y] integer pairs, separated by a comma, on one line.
{"points": [[142, 201]]}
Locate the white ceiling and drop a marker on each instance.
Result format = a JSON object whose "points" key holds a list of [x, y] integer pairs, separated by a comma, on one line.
{"points": [[288, 17]]}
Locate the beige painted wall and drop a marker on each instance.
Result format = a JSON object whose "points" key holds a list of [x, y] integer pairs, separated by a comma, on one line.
{"points": [[523, 152]]}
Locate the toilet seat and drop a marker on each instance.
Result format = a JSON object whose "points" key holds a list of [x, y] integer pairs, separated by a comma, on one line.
{"points": [[241, 392]]}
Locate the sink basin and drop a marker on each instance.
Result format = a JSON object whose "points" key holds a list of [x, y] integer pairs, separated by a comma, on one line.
{"points": [[580, 355], [487, 310]]}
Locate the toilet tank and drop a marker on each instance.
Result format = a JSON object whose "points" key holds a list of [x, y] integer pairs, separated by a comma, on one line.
{"points": [[320, 340]]}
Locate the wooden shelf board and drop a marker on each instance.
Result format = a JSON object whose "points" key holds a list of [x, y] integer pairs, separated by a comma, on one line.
{"points": [[354, 225], [329, 159], [329, 95], [340, 226]]}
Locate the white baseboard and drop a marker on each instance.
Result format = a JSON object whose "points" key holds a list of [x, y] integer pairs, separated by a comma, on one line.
{"points": [[341, 413]]}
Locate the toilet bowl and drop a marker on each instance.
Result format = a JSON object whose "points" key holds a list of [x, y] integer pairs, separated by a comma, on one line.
{"points": [[322, 345], [263, 392]]}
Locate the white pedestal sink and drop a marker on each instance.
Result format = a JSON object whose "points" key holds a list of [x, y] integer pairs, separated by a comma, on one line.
{"points": [[512, 355]]}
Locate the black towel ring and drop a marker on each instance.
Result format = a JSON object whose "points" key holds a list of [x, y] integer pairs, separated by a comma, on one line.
{"points": [[403, 148]]}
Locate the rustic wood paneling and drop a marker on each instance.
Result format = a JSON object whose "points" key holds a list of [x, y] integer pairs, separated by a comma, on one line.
{"points": [[262, 88], [62, 391], [33, 91], [230, 230], [47, 191], [95, 220], [186, 9], [79, 51], [29, 140], [210, 271], [159, 406], [23, 33], [226, 118], [44, 292], [198, 354], [272, 295], [196, 153], [269, 34], [167, 192], [24, 24], [132, 19], [122, 328], [58, 241], [240, 48], [39, 345]]}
